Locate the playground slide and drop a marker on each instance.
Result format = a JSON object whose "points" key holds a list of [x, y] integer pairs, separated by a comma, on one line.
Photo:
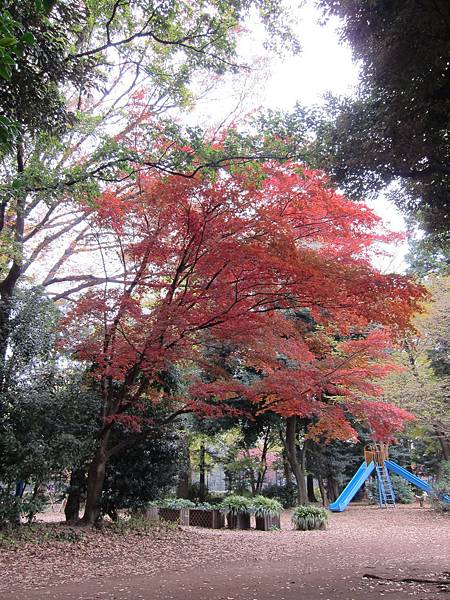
{"points": [[352, 487], [423, 485], [398, 470]]}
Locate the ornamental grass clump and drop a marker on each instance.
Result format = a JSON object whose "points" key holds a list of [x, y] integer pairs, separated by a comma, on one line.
{"points": [[204, 506], [266, 507], [307, 518], [236, 505], [176, 503]]}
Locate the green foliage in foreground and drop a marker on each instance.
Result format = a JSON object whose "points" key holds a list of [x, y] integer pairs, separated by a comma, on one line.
{"points": [[13, 508], [236, 505], [266, 507], [39, 534], [307, 518]]}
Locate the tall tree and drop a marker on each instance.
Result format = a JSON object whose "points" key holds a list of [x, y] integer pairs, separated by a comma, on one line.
{"points": [[209, 260], [422, 385], [73, 70], [397, 127]]}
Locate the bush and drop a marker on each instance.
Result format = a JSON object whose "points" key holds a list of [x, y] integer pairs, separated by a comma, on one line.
{"points": [[286, 494], [39, 534], [142, 473], [210, 497], [204, 506], [12, 508], [175, 503], [9, 509], [266, 507], [442, 488], [307, 518], [236, 505], [403, 491]]}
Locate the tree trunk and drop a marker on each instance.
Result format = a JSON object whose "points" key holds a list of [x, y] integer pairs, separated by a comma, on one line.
{"points": [[7, 286], [310, 488], [252, 478], [263, 462], [297, 465], [332, 488], [77, 486], [202, 481], [323, 491], [95, 480], [184, 478], [444, 441], [287, 473]]}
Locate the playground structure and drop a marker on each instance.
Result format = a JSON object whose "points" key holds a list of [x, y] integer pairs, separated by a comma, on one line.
{"points": [[376, 459]]}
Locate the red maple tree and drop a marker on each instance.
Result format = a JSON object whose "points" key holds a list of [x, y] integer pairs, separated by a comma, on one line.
{"points": [[225, 259]]}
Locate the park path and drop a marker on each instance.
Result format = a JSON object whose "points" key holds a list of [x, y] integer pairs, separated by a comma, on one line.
{"points": [[194, 564]]}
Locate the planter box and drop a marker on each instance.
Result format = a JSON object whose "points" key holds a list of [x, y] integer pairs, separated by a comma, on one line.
{"points": [[152, 513], [239, 521], [267, 523], [175, 515], [213, 519]]}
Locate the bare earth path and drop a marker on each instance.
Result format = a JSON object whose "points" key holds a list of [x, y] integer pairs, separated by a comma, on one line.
{"points": [[391, 547]]}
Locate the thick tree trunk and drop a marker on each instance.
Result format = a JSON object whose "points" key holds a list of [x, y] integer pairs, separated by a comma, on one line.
{"points": [[444, 441], [77, 486], [95, 480], [332, 488], [323, 491], [310, 488], [297, 465], [287, 473]]}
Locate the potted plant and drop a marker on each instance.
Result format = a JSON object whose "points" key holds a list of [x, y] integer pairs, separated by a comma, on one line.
{"points": [[306, 518], [267, 513], [237, 509], [175, 510], [151, 510], [205, 515]]}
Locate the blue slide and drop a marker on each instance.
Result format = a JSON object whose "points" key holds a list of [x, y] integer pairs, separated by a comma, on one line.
{"points": [[398, 470], [423, 485], [352, 487]]}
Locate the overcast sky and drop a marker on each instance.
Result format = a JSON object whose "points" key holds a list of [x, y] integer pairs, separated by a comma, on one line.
{"points": [[324, 65]]}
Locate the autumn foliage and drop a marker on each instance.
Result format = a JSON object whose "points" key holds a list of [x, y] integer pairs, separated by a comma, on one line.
{"points": [[232, 261], [229, 261]]}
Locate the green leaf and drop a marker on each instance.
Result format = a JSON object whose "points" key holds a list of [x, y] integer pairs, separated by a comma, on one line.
{"points": [[5, 72], [48, 5], [27, 38], [8, 41]]}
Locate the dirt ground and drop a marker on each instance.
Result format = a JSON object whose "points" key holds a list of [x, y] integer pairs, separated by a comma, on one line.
{"points": [[365, 554]]}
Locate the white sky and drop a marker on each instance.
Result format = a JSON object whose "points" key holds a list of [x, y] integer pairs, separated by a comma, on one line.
{"points": [[324, 65]]}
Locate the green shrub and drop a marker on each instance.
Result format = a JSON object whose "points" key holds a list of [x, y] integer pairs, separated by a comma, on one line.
{"points": [[236, 505], [39, 534], [403, 491], [442, 488], [204, 506], [266, 507], [10, 508], [286, 494], [175, 503], [306, 518]]}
